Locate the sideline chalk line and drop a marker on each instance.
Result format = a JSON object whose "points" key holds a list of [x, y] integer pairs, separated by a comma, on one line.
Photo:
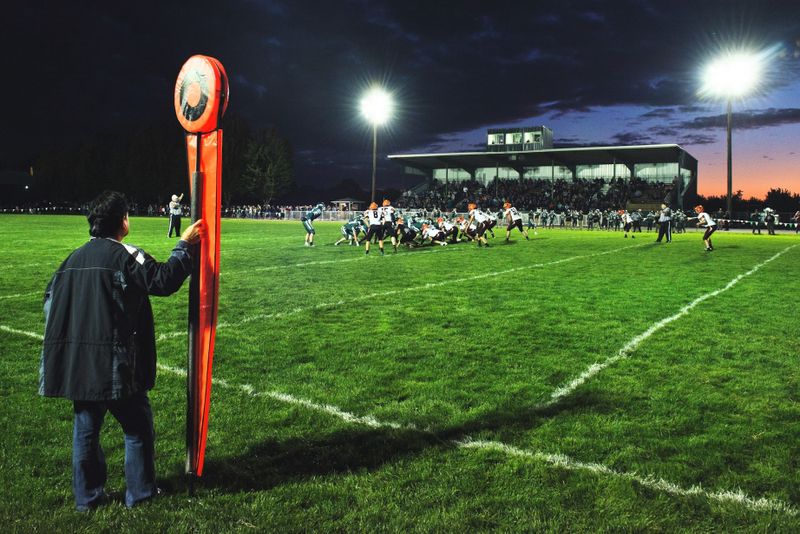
{"points": [[634, 343], [761, 504], [430, 285], [17, 295], [557, 460]]}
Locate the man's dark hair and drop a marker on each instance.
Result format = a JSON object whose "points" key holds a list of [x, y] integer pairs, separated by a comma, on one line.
{"points": [[106, 213]]}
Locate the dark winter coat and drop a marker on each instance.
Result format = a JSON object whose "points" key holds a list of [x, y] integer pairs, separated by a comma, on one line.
{"points": [[99, 341]]}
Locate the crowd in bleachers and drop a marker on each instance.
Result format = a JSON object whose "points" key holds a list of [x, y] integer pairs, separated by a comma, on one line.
{"points": [[528, 194]]}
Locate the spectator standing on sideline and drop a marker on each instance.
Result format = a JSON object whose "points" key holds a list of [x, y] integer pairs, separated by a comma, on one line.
{"points": [[769, 218], [664, 224], [175, 212], [796, 219], [99, 347], [755, 219], [636, 218]]}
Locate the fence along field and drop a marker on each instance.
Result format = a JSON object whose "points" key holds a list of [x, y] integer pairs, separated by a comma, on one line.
{"points": [[422, 389]]}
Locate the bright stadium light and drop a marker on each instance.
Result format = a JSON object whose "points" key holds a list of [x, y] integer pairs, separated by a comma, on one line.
{"points": [[376, 106], [733, 75]]}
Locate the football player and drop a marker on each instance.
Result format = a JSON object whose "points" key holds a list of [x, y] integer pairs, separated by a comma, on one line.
{"points": [[513, 220], [450, 230], [350, 231], [627, 221], [469, 231], [491, 222], [315, 212], [479, 218], [373, 217], [406, 234], [705, 220], [436, 236], [388, 223]]}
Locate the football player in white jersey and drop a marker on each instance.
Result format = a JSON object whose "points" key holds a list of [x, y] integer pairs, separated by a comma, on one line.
{"points": [[373, 217], [627, 221], [513, 220], [388, 223], [436, 236], [467, 231], [477, 217], [491, 221], [450, 230], [705, 220]]}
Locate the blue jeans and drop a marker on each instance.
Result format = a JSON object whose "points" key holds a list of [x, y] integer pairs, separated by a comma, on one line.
{"points": [[89, 462]]}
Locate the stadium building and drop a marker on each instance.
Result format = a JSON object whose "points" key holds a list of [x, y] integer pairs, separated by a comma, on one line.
{"points": [[527, 153]]}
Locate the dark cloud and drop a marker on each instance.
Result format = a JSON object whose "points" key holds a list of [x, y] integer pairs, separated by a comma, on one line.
{"points": [[658, 113], [746, 120], [632, 138], [85, 67], [696, 139]]}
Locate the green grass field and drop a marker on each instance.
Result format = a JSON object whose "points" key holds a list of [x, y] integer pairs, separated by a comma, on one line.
{"points": [[576, 382]]}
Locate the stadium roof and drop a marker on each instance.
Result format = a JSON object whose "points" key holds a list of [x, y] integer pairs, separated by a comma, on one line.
{"points": [[566, 157]]}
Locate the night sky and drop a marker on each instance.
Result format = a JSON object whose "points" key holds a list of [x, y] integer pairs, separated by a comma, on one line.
{"points": [[596, 72]]}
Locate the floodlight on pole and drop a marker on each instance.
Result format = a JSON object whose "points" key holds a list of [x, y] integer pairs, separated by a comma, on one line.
{"points": [[734, 75], [376, 107]]}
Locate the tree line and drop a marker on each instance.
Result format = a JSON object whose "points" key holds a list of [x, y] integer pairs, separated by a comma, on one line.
{"points": [[149, 165], [779, 199]]}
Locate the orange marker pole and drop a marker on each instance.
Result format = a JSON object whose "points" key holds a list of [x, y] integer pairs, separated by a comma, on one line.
{"points": [[201, 97]]}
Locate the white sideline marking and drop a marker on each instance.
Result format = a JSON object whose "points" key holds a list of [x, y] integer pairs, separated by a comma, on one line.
{"points": [[429, 285], [557, 460], [565, 462], [634, 343], [348, 417], [10, 330], [20, 295]]}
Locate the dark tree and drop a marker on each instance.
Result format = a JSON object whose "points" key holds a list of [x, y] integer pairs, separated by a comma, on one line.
{"points": [[268, 170]]}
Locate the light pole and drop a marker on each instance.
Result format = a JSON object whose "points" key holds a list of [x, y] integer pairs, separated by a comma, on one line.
{"points": [[376, 107], [731, 76]]}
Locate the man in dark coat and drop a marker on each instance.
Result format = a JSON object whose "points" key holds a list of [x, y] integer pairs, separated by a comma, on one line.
{"points": [[99, 346]]}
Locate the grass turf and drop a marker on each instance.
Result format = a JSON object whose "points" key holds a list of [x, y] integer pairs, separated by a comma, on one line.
{"points": [[425, 349]]}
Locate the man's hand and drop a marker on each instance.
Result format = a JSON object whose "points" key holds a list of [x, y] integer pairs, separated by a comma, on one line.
{"points": [[193, 233]]}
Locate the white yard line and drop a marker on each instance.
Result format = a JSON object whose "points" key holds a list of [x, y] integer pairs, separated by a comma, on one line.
{"points": [[34, 335], [557, 460], [430, 285], [18, 295], [561, 461], [634, 343], [247, 389]]}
